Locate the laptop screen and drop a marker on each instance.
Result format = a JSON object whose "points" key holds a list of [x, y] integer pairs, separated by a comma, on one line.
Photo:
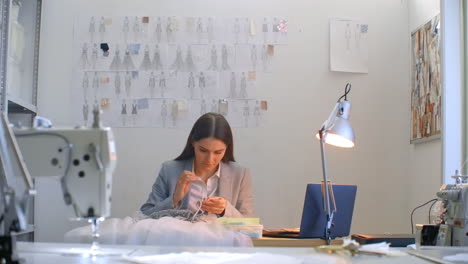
{"points": [[313, 215]]}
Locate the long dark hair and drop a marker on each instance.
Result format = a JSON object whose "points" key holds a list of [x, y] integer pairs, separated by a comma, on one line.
{"points": [[210, 125]]}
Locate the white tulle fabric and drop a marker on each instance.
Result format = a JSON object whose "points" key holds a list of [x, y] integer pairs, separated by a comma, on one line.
{"points": [[165, 231]]}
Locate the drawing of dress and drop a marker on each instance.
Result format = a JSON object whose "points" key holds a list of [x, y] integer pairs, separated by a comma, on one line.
{"points": [[253, 57], [116, 63], [158, 30], [84, 56], [189, 60], [213, 59], [232, 86], [95, 84], [85, 113], [174, 113], [152, 84], [246, 113], [128, 83], [202, 84], [210, 30], [126, 28], [128, 62], [85, 85], [224, 58], [94, 56], [178, 64], [117, 83], [92, 28], [257, 113], [157, 62], [243, 86], [102, 28], [203, 107], [191, 85], [146, 62], [164, 113], [162, 84], [123, 113], [134, 112]]}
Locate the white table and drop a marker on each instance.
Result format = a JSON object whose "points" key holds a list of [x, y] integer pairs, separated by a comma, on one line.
{"points": [[46, 253]]}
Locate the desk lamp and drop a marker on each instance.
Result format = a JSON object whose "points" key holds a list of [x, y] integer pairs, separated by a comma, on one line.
{"points": [[335, 131]]}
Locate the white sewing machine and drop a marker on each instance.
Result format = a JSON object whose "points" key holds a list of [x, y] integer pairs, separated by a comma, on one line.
{"points": [[455, 198], [82, 158]]}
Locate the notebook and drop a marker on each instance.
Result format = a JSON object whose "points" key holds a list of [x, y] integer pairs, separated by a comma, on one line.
{"points": [[313, 219]]}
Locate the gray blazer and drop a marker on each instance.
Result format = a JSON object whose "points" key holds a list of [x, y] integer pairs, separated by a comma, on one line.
{"points": [[235, 185]]}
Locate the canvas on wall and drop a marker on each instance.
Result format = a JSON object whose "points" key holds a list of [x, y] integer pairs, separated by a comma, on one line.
{"points": [[426, 109]]}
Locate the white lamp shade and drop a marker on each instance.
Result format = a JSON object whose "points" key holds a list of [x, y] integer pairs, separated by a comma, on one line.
{"points": [[337, 130], [341, 134]]}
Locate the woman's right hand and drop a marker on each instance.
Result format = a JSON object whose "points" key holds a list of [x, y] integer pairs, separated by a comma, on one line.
{"points": [[183, 186]]}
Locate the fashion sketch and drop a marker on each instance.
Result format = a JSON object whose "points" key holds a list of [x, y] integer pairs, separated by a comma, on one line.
{"points": [[164, 113], [253, 57], [102, 28], [126, 28], [158, 30], [174, 113], [146, 62], [243, 86], [116, 63], [85, 85], [191, 85], [128, 61], [232, 86], [257, 113], [190, 65], [134, 112], [213, 59], [128, 83], [85, 113], [202, 84], [92, 28], [152, 84], [95, 84], [162, 84], [117, 84], [84, 62], [178, 63], [123, 113], [246, 113], [157, 62], [224, 58], [94, 56]]}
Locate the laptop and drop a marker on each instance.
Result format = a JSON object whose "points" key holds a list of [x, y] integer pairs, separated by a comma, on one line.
{"points": [[313, 216]]}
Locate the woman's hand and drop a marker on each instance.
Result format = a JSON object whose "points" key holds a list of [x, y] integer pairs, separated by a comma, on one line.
{"points": [[183, 186], [215, 205]]}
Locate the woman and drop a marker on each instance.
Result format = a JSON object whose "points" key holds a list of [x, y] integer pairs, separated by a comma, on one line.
{"points": [[205, 175]]}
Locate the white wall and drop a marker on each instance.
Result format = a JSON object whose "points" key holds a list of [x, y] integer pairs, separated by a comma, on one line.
{"points": [[425, 169], [283, 155]]}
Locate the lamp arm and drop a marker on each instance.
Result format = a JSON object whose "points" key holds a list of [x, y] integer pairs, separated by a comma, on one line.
{"points": [[326, 191], [331, 118]]}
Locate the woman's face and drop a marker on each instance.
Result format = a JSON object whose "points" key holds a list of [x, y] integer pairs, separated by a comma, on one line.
{"points": [[208, 152]]}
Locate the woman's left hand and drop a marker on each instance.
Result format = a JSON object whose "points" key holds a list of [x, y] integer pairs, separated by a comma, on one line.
{"points": [[215, 205]]}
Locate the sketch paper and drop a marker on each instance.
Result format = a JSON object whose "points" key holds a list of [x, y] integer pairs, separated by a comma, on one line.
{"points": [[348, 45]]}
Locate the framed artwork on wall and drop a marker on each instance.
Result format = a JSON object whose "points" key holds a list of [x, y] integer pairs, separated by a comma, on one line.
{"points": [[426, 109]]}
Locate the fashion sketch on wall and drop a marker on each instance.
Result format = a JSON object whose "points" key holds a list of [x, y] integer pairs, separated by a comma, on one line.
{"points": [[426, 109]]}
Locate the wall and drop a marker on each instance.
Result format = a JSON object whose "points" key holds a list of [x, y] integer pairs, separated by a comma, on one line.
{"points": [[284, 155], [425, 169]]}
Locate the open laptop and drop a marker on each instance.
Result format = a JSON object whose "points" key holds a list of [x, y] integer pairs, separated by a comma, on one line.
{"points": [[313, 216]]}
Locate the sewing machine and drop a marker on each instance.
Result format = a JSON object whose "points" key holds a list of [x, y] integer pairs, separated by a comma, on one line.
{"points": [[455, 199], [82, 158]]}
